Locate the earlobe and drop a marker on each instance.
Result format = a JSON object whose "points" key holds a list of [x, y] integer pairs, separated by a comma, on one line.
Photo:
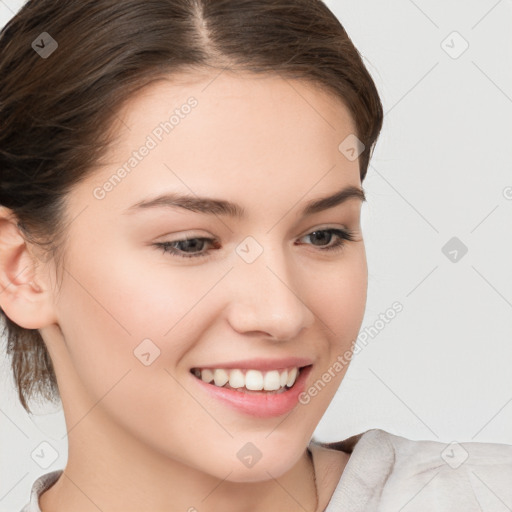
{"points": [[24, 296]]}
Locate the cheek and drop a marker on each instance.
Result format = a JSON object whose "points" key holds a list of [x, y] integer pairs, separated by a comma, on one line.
{"points": [[134, 314], [105, 319], [339, 296], [339, 304], [107, 308]]}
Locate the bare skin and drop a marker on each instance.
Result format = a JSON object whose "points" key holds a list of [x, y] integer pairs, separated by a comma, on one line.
{"points": [[329, 466], [147, 437]]}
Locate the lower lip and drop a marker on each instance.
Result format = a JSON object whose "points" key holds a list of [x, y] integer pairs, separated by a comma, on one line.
{"points": [[262, 405]]}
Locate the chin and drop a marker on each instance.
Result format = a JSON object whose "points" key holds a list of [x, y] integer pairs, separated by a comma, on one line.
{"points": [[260, 472], [252, 465]]}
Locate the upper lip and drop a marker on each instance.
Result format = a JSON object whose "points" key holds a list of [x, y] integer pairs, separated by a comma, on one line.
{"points": [[261, 364]]}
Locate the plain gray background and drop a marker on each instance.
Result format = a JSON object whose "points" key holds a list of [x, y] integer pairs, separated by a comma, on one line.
{"points": [[442, 168]]}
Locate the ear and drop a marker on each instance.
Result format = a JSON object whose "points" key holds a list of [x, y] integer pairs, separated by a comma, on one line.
{"points": [[25, 296]]}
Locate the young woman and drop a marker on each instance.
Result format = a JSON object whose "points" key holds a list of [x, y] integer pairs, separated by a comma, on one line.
{"points": [[182, 262]]}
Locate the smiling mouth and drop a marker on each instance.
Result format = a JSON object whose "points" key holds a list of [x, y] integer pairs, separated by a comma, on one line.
{"points": [[250, 381]]}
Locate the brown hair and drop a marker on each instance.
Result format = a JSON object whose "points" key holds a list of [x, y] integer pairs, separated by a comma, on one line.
{"points": [[56, 111]]}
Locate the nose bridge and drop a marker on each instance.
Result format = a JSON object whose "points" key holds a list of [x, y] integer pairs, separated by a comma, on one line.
{"points": [[267, 296]]}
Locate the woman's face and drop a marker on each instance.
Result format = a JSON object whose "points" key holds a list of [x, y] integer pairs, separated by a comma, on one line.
{"points": [[136, 320]]}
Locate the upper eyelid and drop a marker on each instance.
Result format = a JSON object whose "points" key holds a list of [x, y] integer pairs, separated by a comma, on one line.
{"points": [[326, 226], [321, 227], [213, 239]]}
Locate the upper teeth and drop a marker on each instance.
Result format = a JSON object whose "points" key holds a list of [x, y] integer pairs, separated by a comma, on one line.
{"points": [[253, 380]]}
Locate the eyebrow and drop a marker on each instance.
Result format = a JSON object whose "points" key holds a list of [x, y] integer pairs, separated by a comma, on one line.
{"points": [[208, 205]]}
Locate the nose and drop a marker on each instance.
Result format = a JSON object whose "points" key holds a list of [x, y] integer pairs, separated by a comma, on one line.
{"points": [[266, 297]]}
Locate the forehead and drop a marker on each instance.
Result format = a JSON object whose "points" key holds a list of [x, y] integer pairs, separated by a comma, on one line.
{"points": [[226, 135], [226, 99]]}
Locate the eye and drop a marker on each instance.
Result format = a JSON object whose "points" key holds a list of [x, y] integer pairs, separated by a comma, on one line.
{"points": [[187, 247], [342, 235], [193, 247]]}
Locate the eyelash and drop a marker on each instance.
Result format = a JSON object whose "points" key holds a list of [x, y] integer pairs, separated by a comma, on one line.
{"points": [[343, 236]]}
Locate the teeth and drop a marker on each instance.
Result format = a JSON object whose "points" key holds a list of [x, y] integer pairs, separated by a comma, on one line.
{"points": [[220, 377], [291, 377], [206, 375], [236, 379], [252, 380], [272, 380]]}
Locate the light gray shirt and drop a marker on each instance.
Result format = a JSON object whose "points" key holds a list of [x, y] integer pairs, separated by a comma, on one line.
{"points": [[389, 473]]}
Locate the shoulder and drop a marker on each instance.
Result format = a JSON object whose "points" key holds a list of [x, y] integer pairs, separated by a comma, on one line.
{"points": [[41, 484], [388, 472]]}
